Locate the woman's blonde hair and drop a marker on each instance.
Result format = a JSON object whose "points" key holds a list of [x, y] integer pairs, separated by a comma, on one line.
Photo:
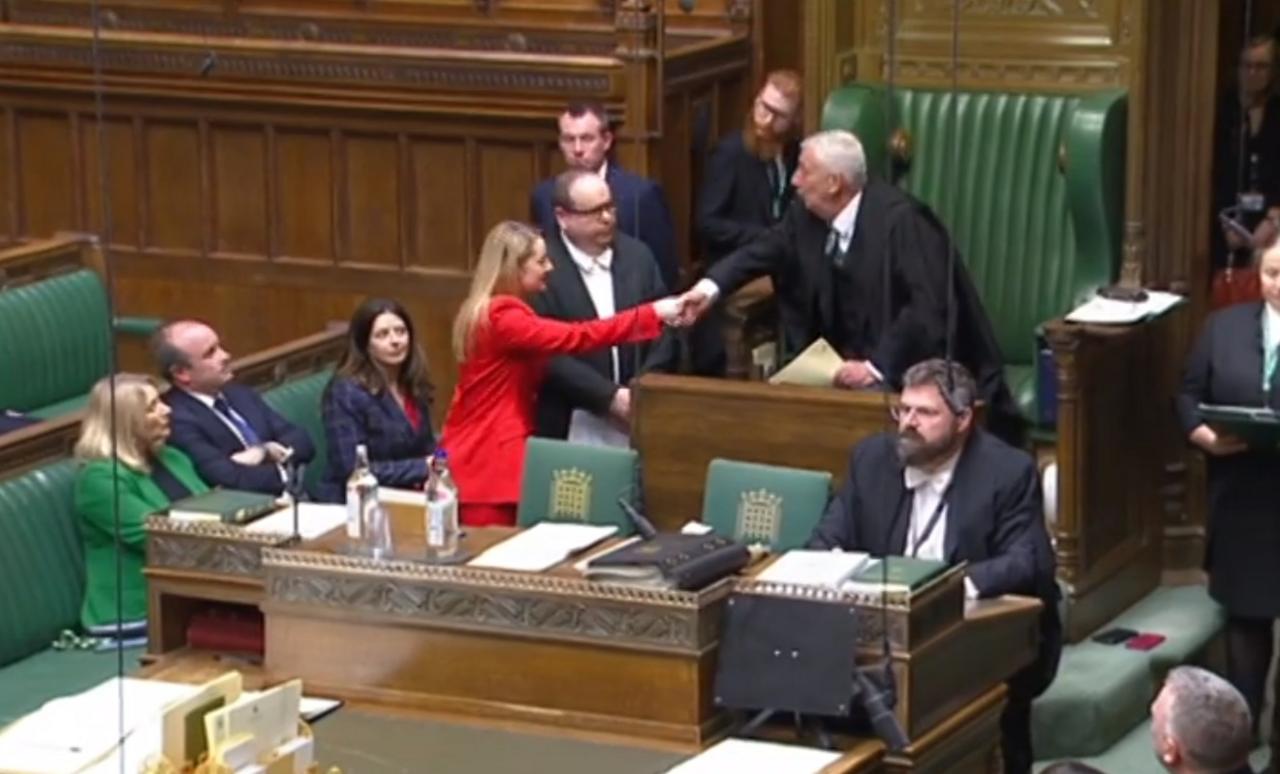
{"points": [[497, 272], [132, 393]]}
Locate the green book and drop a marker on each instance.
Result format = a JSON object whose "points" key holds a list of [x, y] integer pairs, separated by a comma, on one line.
{"points": [[903, 573], [230, 506]]}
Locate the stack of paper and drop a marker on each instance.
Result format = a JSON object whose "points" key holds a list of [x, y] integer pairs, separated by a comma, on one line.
{"points": [[314, 520], [828, 569], [1107, 311], [752, 755], [816, 366], [542, 546]]}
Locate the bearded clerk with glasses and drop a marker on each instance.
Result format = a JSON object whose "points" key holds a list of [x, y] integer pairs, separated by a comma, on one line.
{"points": [[940, 488]]}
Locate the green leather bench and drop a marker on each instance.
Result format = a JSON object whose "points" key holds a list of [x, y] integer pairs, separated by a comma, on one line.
{"points": [[1034, 198], [57, 332], [42, 574]]}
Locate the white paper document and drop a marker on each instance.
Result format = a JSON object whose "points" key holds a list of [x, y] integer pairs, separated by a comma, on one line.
{"points": [[591, 430], [1109, 311], [735, 755], [542, 546], [816, 366], [314, 520], [828, 569]]}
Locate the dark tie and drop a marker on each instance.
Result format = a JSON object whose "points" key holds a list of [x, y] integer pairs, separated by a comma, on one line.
{"points": [[776, 187], [832, 249], [246, 432]]}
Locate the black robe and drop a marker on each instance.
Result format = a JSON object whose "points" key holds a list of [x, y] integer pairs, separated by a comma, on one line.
{"points": [[889, 303]]}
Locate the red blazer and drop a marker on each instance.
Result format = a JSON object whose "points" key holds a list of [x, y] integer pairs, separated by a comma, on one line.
{"points": [[491, 416]]}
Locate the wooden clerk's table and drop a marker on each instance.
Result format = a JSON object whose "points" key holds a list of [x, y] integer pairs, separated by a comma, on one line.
{"points": [[553, 651]]}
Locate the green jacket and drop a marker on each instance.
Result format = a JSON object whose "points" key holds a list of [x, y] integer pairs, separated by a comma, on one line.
{"points": [[95, 508]]}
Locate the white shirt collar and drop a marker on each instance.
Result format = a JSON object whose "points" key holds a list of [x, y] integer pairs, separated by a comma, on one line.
{"points": [[603, 171], [845, 220], [207, 400], [1272, 324], [937, 480], [586, 263]]}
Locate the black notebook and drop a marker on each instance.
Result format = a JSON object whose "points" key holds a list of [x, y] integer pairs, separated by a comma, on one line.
{"points": [[671, 561], [1255, 425]]}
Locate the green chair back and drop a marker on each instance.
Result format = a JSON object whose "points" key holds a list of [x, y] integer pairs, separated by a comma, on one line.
{"points": [[298, 400], [767, 504], [55, 333], [41, 559], [575, 483]]}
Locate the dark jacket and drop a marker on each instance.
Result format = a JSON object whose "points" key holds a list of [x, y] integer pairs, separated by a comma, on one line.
{"points": [[585, 380], [995, 522], [397, 453], [198, 431]]}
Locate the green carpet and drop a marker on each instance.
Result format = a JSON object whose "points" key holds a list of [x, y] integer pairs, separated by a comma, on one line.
{"points": [[363, 742]]}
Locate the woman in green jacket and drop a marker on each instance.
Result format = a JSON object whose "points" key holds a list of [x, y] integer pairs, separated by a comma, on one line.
{"points": [[146, 475]]}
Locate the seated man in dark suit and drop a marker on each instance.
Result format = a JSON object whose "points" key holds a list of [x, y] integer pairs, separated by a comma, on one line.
{"points": [[585, 141], [943, 489], [1200, 724], [235, 439], [596, 273]]}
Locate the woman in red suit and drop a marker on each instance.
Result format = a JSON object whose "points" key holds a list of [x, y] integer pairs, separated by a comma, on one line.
{"points": [[503, 346]]}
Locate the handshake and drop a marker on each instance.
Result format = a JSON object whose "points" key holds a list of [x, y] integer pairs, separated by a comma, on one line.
{"points": [[684, 310]]}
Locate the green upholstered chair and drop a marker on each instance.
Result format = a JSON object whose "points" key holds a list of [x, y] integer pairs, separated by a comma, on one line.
{"points": [[57, 333], [1035, 204], [575, 483], [298, 400], [767, 504], [42, 574]]}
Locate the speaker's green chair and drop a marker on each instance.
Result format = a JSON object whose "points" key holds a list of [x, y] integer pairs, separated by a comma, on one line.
{"points": [[576, 483], [1034, 197], [767, 504]]}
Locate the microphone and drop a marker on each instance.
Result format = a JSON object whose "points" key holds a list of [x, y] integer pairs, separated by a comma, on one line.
{"points": [[879, 711], [208, 64], [642, 525]]}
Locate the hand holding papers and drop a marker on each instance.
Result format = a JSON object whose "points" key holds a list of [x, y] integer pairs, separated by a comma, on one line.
{"points": [[816, 366]]}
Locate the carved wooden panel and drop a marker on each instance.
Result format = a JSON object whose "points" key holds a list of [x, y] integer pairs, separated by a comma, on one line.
{"points": [[173, 201], [238, 160], [304, 194], [42, 156]]}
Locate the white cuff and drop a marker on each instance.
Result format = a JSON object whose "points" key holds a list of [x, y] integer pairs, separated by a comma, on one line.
{"points": [[707, 287], [970, 590], [875, 372]]}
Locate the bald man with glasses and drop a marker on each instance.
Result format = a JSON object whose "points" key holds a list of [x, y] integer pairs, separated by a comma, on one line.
{"points": [[597, 272]]}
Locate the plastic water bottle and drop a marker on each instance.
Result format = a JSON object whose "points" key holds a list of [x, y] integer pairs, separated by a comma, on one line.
{"points": [[442, 509], [362, 497]]}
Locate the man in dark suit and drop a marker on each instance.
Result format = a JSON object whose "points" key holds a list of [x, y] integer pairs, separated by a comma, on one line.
{"points": [[861, 264], [585, 141], [747, 183], [596, 273], [941, 489], [746, 189], [235, 439]]}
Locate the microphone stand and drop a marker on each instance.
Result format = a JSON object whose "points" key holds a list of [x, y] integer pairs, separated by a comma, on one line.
{"points": [[293, 485]]}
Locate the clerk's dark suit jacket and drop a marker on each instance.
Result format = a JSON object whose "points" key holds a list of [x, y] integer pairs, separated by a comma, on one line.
{"points": [[197, 430], [585, 381], [888, 303], [642, 213], [995, 522], [735, 205], [1225, 368]]}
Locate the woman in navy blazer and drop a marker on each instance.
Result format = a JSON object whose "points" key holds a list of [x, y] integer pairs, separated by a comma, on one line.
{"points": [[380, 397]]}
